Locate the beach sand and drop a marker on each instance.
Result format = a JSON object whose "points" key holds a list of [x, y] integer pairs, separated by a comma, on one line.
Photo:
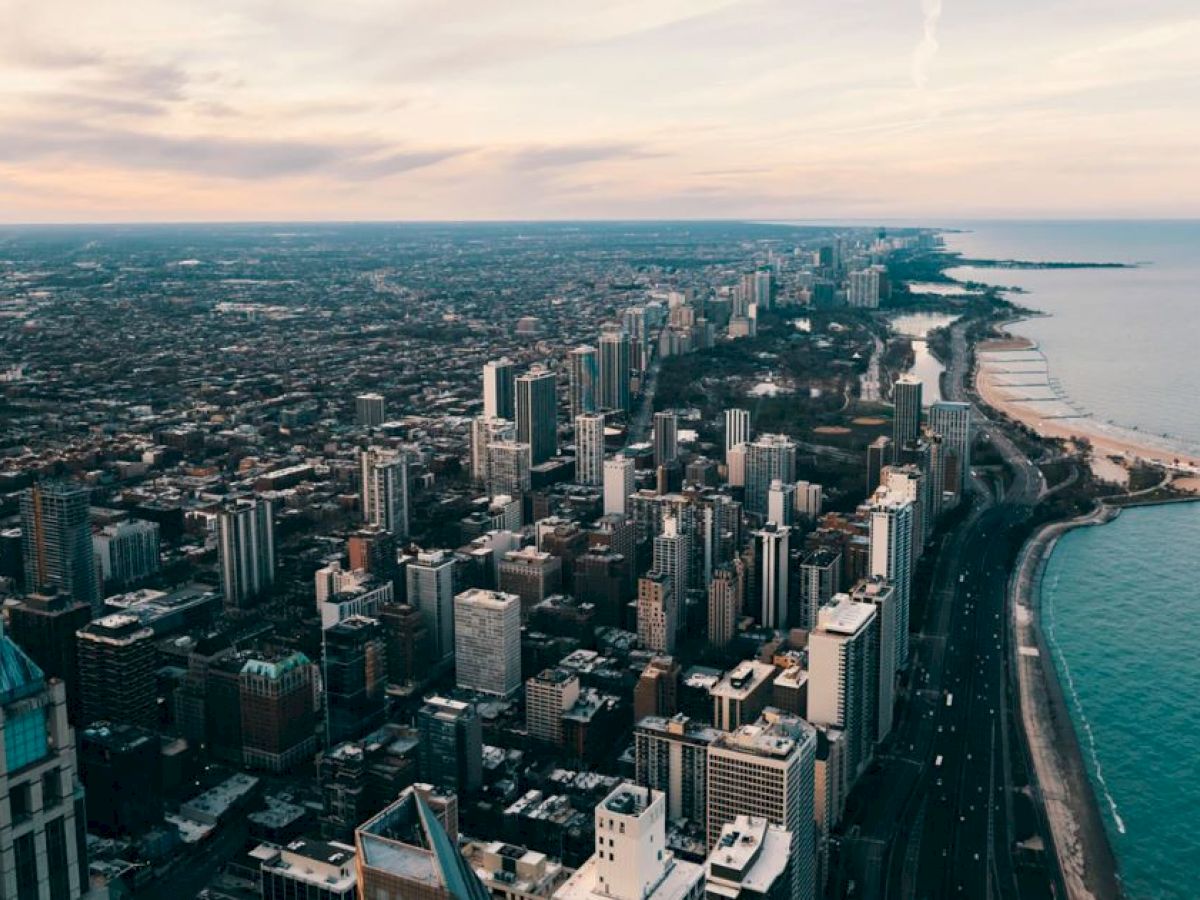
{"points": [[1002, 362]]}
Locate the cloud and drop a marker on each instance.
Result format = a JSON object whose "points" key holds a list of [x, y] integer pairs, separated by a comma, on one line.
{"points": [[927, 48], [563, 156]]}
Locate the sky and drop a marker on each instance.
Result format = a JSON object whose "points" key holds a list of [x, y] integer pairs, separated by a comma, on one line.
{"points": [[221, 110]]}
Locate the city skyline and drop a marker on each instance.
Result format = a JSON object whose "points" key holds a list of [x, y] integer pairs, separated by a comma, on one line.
{"points": [[699, 109]]}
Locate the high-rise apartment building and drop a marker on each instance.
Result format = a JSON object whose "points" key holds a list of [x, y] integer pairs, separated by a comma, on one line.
{"points": [[666, 438], [771, 457], [672, 558], [671, 755], [615, 364], [537, 413], [117, 662], [485, 432], [766, 769], [953, 422], [879, 454], [487, 641], [781, 502], [355, 678], [820, 576], [737, 428], [275, 699], [509, 464], [881, 594], [44, 627], [531, 574], [618, 484], [657, 612], [725, 597], [383, 475], [752, 859], [892, 558], [451, 744], [246, 550], [583, 366], [843, 678], [56, 542], [632, 861], [498, 392], [771, 575], [431, 588], [906, 419], [42, 824], [548, 695], [127, 552], [589, 449], [863, 288], [370, 410]]}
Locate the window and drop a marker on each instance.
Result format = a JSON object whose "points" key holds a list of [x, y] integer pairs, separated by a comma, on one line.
{"points": [[21, 799], [51, 795]]}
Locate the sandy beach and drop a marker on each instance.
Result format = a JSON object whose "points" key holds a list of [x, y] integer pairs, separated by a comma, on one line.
{"points": [[1013, 377]]}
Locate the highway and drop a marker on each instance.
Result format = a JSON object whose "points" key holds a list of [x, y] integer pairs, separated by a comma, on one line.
{"points": [[945, 807]]}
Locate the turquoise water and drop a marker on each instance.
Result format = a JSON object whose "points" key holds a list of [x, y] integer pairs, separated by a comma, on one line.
{"points": [[1121, 613]]}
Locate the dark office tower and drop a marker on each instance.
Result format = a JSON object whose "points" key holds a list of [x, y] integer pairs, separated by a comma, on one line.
{"points": [[116, 672], [614, 369], [374, 551], [666, 438], [370, 410], [45, 628], [537, 413], [584, 369], [43, 845], [120, 769], [906, 420], [57, 542], [405, 853], [602, 579], [276, 700], [498, 397], [879, 454], [451, 745], [355, 678], [407, 640], [657, 690], [246, 547]]}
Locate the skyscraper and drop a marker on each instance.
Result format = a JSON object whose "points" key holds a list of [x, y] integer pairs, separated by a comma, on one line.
{"points": [[405, 853], [498, 394], [781, 502], [953, 422], [767, 769], [275, 699], [584, 381], [537, 413], [881, 594], [771, 561], [355, 678], [487, 641], [725, 593], [589, 449], [451, 744], [56, 541], [484, 433], [431, 589], [879, 454], [383, 475], [657, 612], [127, 551], [892, 558], [117, 662], [246, 549], [672, 557], [42, 822], [508, 468], [843, 667], [614, 369], [666, 438], [44, 627], [771, 457], [906, 420], [820, 578], [618, 484], [369, 410], [671, 755], [737, 428]]}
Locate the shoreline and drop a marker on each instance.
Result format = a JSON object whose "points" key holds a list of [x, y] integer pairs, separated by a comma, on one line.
{"points": [[1012, 377], [1082, 847]]}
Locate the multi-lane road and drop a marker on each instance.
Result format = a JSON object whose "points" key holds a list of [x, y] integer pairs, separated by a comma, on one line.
{"points": [[945, 811]]}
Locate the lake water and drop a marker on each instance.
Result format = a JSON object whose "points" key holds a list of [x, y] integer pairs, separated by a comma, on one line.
{"points": [[925, 365]]}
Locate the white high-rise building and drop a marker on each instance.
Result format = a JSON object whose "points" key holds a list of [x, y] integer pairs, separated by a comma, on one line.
{"points": [[771, 457], [370, 410], [589, 449], [843, 669], [751, 859], [735, 465], [246, 551], [672, 558], [508, 468], [781, 502], [430, 581], [810, 498], [487, 641], [484, 433], [771, 560], [891, 558], [767, 769], [632, 861], [618, 484], [342, 593], [908, 482], [383, 474], [583, 364], [820, 578], [737, 428], [127, 551], [498, 394], [863, 288]]}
